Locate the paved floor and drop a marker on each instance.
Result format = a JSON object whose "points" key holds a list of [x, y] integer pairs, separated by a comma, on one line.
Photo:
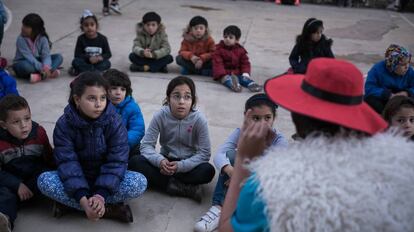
{"points": [[268, 32]]}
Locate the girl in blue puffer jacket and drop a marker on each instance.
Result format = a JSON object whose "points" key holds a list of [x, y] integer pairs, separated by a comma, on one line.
{"points": [[91, 152]]}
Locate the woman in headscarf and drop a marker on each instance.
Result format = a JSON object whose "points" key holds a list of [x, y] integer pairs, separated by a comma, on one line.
{"points": [[391, 77]]}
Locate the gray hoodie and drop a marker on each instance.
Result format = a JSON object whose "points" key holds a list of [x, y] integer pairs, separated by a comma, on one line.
{"points": [[186, 140]]}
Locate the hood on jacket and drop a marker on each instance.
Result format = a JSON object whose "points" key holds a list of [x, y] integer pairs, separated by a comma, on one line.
{"points": [[73, 117], [348, 184]]}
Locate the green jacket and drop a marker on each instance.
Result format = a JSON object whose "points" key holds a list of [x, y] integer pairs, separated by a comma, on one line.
{"points": [[158, 43]]}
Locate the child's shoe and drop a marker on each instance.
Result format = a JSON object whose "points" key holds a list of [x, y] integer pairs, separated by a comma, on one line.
{"points": [[184, 71], [35, 77], [210, 221], [297, 2], [3, 62], [232, 82], [164, 69], [115, 7], [136, 68], [72, 72], [177, 188], [120, 212], [254, 87], [59, 209], [278, 2], [105, 11], [5, 225], [54, 74]]}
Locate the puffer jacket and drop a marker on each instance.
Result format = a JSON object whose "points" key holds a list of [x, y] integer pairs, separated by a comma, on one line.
{"points": [[132, 119], [7, 84], [158, 43], [230, 60], [202, 48], [92, 155]]}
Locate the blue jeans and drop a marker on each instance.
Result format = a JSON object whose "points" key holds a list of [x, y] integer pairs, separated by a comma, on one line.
{"points": [[81, 65], [24, 68], [132, 186], [221, 189]]}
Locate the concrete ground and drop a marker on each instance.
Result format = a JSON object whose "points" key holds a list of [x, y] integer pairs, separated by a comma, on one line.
{"points": [[268, 33]]}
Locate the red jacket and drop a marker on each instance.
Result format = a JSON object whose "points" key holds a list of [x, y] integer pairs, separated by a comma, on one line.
{"points": [[202, 48], [230, 60]]}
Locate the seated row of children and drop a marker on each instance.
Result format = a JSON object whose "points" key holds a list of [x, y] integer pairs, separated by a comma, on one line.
{"points": [[95, 142], [227, 61]]}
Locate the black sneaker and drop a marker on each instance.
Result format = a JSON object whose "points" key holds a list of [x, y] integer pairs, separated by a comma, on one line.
{"points": [[136, 68], [72, 72], [177, 188], [5, 225], [164, 69], [60, 209], [120, 212]]}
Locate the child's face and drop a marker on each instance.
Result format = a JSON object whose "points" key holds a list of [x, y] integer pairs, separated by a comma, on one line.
{"points": [[262, 112], [92, 103], [18, 123], [198, 31], [117, 94], [151, 27], [180, 101], [230, 40], [402, 68], [404, 119], [315, 37], [26, 31], [89, 27]]}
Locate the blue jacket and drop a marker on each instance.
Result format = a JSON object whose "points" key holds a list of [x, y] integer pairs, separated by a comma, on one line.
{"points": [[132, 119], [36, 53], [92, 156], [381, 82], [7, 84]]}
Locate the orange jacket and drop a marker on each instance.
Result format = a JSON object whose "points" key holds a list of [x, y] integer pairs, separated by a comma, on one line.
{"points": [[202, 48]]}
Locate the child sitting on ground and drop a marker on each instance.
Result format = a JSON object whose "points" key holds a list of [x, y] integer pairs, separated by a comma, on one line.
{"points": [[181, 165], [120, 95], [25, 152], [7, 84], [196, 49], [231, 64], [92, 50], [91, 152], [312, 43], [399, 112], [391, 77], [263, 109], [151, 50], [33, 60]]}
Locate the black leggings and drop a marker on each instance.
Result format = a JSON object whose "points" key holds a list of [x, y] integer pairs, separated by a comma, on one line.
{"points": [[106, 2], [202, 174]]}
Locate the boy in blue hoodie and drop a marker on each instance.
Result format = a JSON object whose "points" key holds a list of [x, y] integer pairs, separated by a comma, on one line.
{"points": [[120, 93]]}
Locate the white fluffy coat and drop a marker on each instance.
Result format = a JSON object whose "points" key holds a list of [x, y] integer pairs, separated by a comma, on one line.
{"points": [[339, 185]]}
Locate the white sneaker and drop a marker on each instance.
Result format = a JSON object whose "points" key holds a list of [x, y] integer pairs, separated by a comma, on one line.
{"points": [[115, 7], [210, 221], [4, 223]]}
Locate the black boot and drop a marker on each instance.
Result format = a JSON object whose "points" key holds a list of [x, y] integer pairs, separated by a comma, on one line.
{"points": [[120, 212], [177, 188], [60, 209]]}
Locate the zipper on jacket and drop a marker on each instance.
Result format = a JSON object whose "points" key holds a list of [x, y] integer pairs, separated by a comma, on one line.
{"points": [[179, 140]]}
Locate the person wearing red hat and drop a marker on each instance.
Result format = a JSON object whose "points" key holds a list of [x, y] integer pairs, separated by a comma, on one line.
{"points": [[338, 178]]}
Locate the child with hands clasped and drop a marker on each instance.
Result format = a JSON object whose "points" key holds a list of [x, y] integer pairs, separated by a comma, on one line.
{"points": [[231, 65], [151, 50], [399, 112], [92, 51], [33, 60], [182, 164], [196, 49], [25, 153], [91, 151], [261, 108]]}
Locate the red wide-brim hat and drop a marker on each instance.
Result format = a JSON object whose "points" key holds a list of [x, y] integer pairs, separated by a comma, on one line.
{"points": [[331, 91]]}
